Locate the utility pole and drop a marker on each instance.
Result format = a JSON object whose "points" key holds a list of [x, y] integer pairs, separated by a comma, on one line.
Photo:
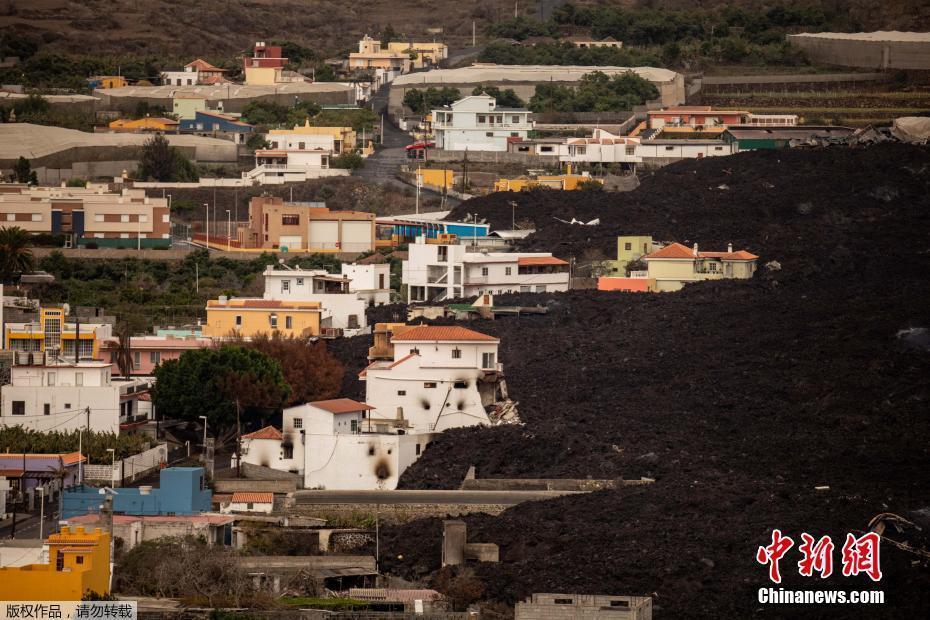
{"points": [[473, 40], [238, 442], [41, 491], [465, 170], [382, 129], [206, 227]]}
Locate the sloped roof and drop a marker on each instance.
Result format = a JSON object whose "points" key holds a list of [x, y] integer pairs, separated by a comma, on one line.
{"points": [[442, 334], [540, 260], [244, 497], [68, 458], [269, 432], [341, 405], [677, 250], [202, 65]]}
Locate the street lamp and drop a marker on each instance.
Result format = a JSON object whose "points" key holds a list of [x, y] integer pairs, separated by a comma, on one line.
{"points": [[228, 228], [112, 452], [204, 418], [207, 225], [41, 491]]}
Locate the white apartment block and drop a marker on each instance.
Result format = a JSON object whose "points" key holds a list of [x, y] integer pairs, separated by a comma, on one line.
{"points": [[370, 282], [475, 123], [189, 76], [439, 378], [58, 396], [341, 308], [436, 271]]}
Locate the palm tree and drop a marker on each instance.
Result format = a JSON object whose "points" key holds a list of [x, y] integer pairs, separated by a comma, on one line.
{"points": [[15, 255]]}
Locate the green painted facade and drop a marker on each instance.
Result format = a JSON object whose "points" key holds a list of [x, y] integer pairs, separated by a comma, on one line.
{"points": [[129, 244]]}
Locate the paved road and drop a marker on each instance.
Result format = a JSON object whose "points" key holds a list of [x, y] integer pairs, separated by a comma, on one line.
{"points": [[27, 525], [506, 498]]}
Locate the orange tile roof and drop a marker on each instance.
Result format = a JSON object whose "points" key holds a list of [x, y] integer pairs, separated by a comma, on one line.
{"points": [[442, 334], [269, 432], [341, 405], [244, 497], [11, 473], [540, 260], [677, 250], [383, 365], [202, 65], [68, 458]]}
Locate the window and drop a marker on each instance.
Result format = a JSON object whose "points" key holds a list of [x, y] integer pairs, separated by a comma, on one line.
{"points": [[98, 217], [456, 353], [288, 322], [670, 148], [401, 392], [429, 384], [79, 379], [414, 351], [137, 360], [238, 320], [627, 246], [143, 218], [273, 321], [487, 360], [50, 379], [354, 426], [514, 134], [10, 217], [285, 286], [19, 407], [718, 148], [46, 409], [290, 219], [79, 559], [515, 119], [248, 506], [631, 150], [60, 562], [484, 271], [526, 289], [507, 271], [619, 603], [124, 218], [482, 118], [541, 288], [287, 452], [67, 406], [460, 385], [563, 601], [155, 357], [300, 281], [581, 150], [489, 134], [353, 321], [36, 217]]}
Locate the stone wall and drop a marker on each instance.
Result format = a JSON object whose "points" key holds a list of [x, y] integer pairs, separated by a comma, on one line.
{"points": [[353, 514]]}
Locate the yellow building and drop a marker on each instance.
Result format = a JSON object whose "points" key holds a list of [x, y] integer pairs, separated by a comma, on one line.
{"points": [[52, 333], [247, 318], [427, 54], [108, 81], [343, 137], [435, 178], [371, 56], [262, 76], [568, 182], [149, 123], [676, 265], [184, 106], [78, 562], [629, 249]]}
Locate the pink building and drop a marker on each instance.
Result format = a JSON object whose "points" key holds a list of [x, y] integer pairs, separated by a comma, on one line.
{"points": [[147, 352]]}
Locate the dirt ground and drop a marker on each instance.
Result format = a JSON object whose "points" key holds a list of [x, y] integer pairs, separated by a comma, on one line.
{"points": [[738, 397]]}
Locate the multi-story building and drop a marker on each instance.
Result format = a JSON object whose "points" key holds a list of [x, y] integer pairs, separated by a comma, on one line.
{"points": [[147, 352], [180, 491], [54, 334], [476, 123], [333, 140], [302, 152], [88, 215], [602, 147], [246, 318], [371, 282], [341, 310], [705, 117], [186, 106], [425, 55], [198, 72], [265, 64], [437, 271], [302, 226], [47, 394], [371, 56]]}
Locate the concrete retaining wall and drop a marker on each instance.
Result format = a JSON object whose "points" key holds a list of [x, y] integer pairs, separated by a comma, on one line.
{"points": [[869, 54], [392, 513], [781, 83], [255, 486], [494, 157]]}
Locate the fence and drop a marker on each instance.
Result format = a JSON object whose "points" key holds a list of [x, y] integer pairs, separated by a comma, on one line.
{"points": [[128, 469]]}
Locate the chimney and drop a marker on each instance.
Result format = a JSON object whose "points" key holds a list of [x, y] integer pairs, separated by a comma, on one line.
{"points": [[729, 248], [695, 249]]}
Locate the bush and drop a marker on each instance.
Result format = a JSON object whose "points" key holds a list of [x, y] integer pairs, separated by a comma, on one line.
{"points": [[422, 101], [349, 161]]}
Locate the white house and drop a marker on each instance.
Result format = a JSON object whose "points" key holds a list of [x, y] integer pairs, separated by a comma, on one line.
{"points": [[52, 395], [341, 308], [265, 447], [476, 123], [435, 271], [260, 503], [681, 149], [602, 147], [189, 76], [439, 378], [370, 282]]}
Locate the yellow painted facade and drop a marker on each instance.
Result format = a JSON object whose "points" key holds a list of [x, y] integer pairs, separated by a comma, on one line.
{"points": [[346, 135], [630, 248], [249, 317], [51, 332], [79, 562], [568, 182], [435, 178], [187, 107], [145, 124], [111, 81], [262, 76], [427, 54]]}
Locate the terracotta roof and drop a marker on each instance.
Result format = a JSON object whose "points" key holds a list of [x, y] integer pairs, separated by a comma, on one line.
{"points": [[341, 405], [202, 65], [442, 334], [212, 80], [10, 473], [269, 432], [540, 260], [394, 595], [243, 497], [381, 364], [68, 458], [677, 250]]}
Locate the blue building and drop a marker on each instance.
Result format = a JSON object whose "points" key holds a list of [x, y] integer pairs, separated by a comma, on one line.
{"points": [[217, 125], [181, 491], [405, 229]]}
